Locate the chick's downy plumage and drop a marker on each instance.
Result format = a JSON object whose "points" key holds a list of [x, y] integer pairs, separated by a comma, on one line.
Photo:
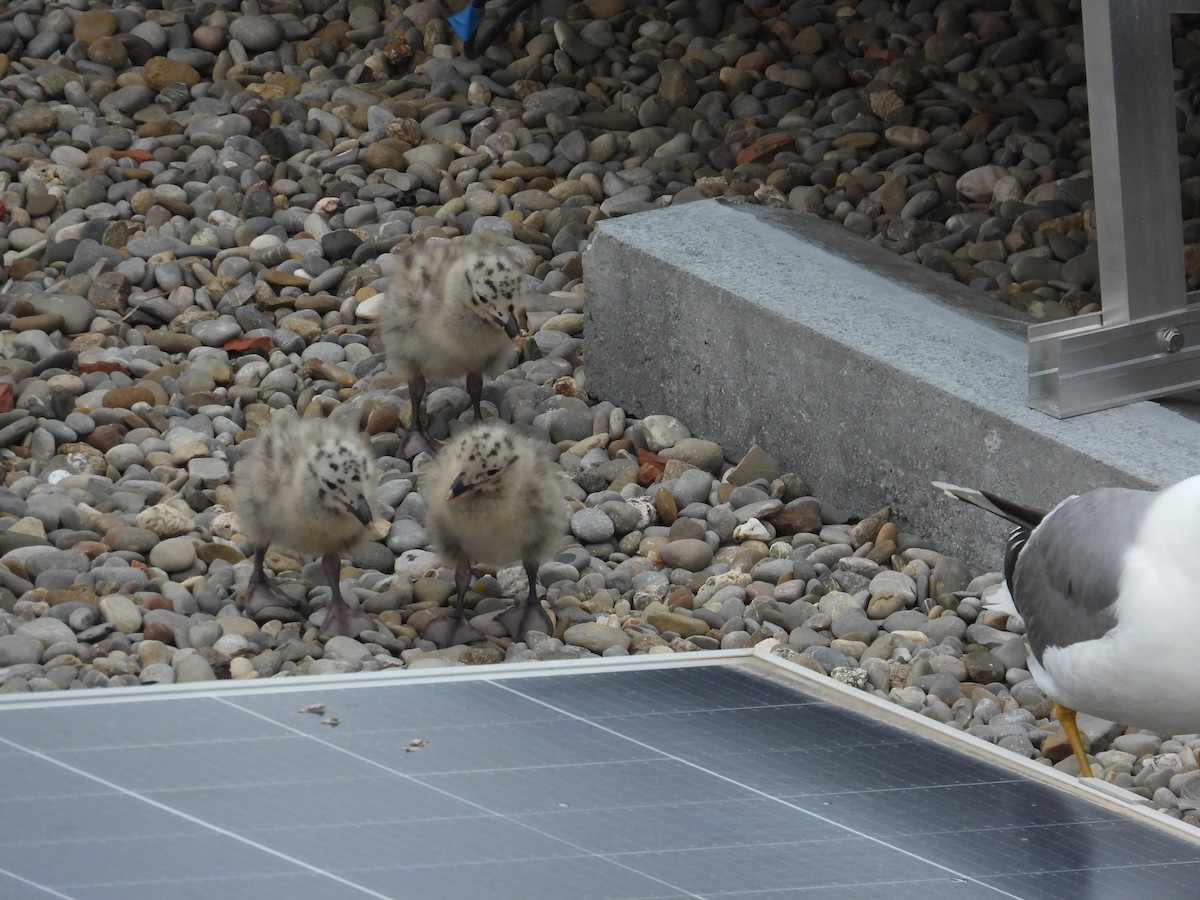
{"points": [[451, 311], [492, 497], [307, 486]]}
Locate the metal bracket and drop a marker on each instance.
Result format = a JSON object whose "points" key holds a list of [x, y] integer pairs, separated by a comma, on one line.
{"points": [[1079, 366], [1145, 342]]}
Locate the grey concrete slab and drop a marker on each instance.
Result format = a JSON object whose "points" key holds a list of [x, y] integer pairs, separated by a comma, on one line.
{"points": [[858, 369]]}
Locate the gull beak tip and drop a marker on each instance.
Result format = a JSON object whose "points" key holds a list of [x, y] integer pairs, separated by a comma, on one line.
{"points": [[362, 511], [511, 326]]}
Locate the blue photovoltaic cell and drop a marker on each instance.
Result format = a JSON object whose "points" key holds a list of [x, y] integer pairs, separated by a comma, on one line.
{"points": [[719, 781]]}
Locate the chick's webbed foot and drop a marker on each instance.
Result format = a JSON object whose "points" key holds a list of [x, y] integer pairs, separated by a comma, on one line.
{"points": [[342, 620], [529, 614], [417, 442], [525, 617], [449, 631], [263, 594]]}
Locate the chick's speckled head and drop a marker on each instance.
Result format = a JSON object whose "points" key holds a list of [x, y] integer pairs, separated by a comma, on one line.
{"points": [[482, 455], [495, 284], [340, 468]]}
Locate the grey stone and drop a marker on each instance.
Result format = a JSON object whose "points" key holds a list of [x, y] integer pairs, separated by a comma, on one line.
{"points": [[46, 631], [256, 33], [192, 667], [406, 534], [689, 553], [692, 486], [592, 526], [596, 637], [173, 554], [19, 649], [346, 649]]}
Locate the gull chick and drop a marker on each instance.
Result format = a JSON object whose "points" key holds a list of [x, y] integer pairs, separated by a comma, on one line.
{"points": [[450, 311], [308, 486], [1108, 584], [492, 497]]}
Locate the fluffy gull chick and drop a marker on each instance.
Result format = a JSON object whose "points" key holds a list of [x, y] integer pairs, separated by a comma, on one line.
{"points": [[492, 497], [450, 312], [307, 485]]}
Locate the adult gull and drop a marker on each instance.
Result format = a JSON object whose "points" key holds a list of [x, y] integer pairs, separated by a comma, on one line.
{"points": [[1108, 584]]}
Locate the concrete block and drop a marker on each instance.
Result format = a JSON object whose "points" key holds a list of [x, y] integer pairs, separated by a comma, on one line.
{"points": [[862, 371]]}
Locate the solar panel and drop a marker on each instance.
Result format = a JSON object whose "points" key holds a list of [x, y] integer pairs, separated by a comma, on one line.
{"points": [[727, 779]]}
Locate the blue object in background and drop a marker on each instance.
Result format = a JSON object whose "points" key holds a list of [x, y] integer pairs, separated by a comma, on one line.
{"points": [[467, 20]]}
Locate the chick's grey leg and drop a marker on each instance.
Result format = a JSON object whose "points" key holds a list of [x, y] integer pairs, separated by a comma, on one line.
{"points": [[447, 631], [528, 614], [475, 392], [418, 440], [340, 618], [261, 592]]}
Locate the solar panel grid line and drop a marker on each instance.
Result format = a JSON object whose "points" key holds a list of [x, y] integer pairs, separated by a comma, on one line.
{"points": [[1057, 849], [738, 755], [279, 724], [28, 883], [1111, 809], [183, 815], [927, 889], [773, 799], [292, 730], [482, 808], [368, 760], [1121, 883], [1103, 793]]}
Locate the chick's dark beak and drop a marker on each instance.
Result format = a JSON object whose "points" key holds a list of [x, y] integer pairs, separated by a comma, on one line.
{"points": [[511, 326], [457, 486], [362, 511]]}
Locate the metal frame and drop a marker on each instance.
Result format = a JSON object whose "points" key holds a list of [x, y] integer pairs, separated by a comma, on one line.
{"points": [[1145, 342]]}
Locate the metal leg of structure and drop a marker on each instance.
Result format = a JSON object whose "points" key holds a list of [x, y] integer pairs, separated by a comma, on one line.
{"points": [[1145, 342]]}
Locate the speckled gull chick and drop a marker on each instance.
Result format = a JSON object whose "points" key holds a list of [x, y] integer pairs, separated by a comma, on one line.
{"points": [[307, 485], [1108, 584], [450, 312], [492, 497]]}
